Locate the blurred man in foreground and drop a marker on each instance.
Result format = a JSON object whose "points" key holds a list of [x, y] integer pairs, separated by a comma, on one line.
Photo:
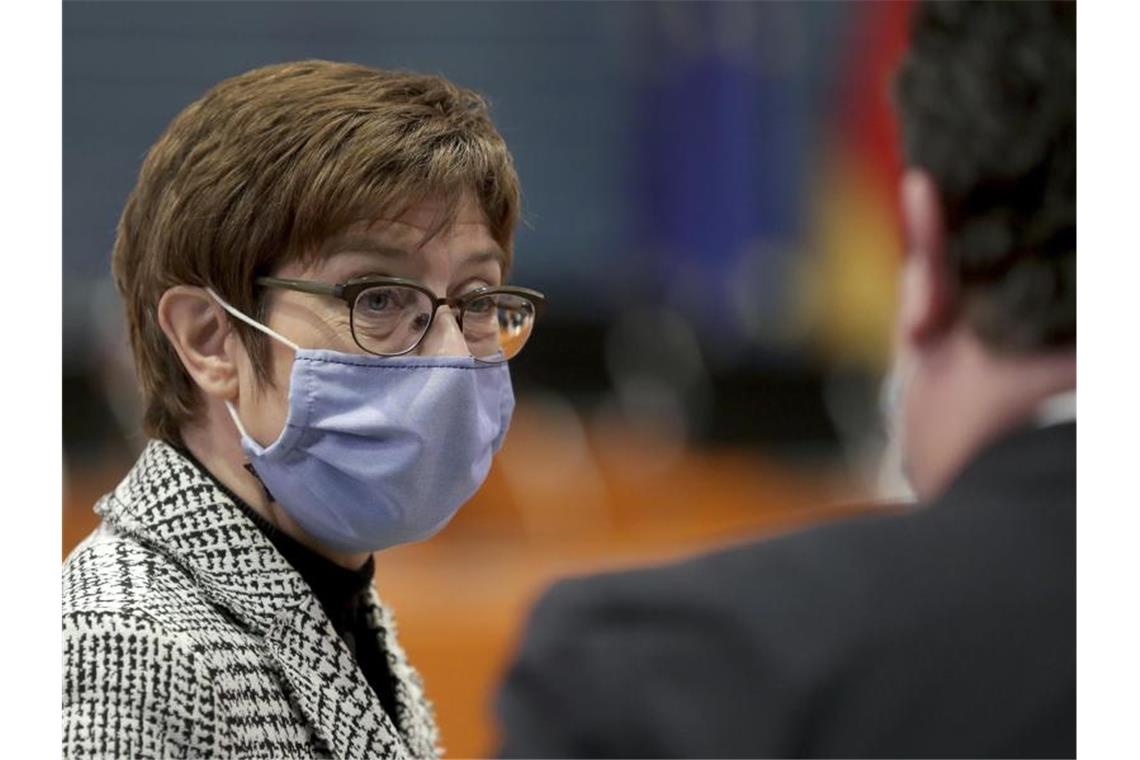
{"points": [[946, 631]]}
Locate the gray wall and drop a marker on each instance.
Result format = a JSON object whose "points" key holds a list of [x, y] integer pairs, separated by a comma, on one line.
{"points": [[554, 72]]}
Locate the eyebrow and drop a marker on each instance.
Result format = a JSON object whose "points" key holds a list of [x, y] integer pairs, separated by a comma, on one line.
{"points": [[484, 256]]}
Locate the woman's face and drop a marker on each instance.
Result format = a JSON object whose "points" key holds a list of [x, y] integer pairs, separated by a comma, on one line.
{"points": [[460, 259]]}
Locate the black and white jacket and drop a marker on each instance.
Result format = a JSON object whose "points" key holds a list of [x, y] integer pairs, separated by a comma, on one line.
{"points": [[186, 634]]}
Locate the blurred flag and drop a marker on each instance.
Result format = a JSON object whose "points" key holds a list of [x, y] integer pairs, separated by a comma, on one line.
{"points": [[724, 129], [847, 286]]}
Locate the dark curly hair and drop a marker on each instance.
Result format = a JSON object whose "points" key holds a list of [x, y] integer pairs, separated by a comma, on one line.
{"points": [[986, 98]]}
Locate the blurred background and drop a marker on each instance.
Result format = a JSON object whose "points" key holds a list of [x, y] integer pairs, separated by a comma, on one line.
{"points": [[709, 204]]}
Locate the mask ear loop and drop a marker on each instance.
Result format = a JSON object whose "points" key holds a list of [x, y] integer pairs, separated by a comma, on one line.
{"points": [[258, 326], [229, 405], [252, 322]]}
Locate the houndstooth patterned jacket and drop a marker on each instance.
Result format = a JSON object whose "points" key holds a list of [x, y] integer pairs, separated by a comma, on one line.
{"points": [[186, 634]]}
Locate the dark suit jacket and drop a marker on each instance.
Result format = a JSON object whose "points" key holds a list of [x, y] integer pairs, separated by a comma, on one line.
{"points": [[946, 631]]}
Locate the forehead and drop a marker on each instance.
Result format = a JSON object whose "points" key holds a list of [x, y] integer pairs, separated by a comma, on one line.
{"points": [[410, 229], [413, 239], [426, 214]]}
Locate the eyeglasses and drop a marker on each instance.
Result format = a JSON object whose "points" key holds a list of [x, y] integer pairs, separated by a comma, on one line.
{"points": [[389, 316]]}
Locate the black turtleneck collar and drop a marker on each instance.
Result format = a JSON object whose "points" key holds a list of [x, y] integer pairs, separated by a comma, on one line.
{"points": [[340, 591]]}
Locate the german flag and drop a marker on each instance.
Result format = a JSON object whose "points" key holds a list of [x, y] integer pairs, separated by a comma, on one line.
{"points": [[848, 282]]}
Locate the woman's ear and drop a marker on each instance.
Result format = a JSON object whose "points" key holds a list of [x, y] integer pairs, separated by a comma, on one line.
{"points": [[926, 299], [197, 327]]}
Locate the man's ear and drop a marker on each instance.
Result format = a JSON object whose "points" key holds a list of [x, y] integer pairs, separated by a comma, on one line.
{"points": [[197, 327], [927, 297]]}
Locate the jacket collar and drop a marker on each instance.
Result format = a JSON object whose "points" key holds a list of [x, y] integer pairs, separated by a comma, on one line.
{"points": [[168, 504], [1030, 457]]}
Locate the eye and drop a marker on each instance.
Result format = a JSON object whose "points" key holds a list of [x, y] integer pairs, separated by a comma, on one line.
{"points": [[379, 300], [389, 302], [480, 305]]}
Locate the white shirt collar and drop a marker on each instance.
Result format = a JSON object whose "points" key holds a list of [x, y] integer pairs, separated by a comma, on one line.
{"points": [[1057, 409]]}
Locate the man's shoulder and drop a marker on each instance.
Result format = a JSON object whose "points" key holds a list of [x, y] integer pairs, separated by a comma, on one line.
{"points": [[1005, 528], [826, 570], [752, 629], [822, 589], [969, 592]]}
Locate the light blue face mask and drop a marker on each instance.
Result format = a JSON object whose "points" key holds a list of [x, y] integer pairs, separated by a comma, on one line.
{"points": [[379, 451]]}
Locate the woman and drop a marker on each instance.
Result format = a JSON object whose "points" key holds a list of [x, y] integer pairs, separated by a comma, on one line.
{"points": [[312, 264]]}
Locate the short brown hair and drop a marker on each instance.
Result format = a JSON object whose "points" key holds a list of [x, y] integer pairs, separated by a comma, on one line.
{"points": [[266, 166]]}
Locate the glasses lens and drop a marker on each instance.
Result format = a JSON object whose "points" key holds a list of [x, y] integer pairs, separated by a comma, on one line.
{"points": [[497, 325], [390, 319]]}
